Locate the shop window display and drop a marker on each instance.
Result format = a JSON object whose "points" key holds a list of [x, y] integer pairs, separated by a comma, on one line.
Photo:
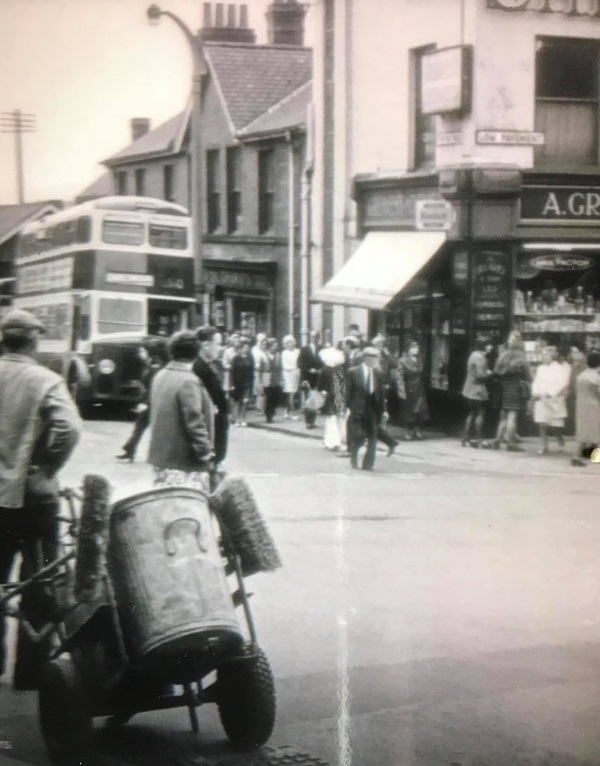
{"points": [[557, 300]]}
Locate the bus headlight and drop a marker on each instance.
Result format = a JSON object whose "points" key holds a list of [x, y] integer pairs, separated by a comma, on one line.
{"points": [[106, 366]]}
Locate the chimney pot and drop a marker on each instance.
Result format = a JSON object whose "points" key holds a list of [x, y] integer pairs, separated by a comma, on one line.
{"points": [[286, 23], [231, 9], [243, 16], [139, 127], [207, 15], [219, 15]]}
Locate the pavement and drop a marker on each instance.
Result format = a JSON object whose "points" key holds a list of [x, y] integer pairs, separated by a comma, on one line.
{"points": [[447, 451]]}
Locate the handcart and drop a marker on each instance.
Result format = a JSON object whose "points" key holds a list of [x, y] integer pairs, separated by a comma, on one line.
{"points": [[144, 615]]}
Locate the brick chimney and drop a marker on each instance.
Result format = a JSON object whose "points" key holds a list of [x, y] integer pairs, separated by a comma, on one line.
{"points": [[285, 19], [139, 127], [226, 23]]}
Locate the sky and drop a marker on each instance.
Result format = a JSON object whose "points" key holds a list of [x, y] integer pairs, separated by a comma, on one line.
{"points": [[84, 68]]}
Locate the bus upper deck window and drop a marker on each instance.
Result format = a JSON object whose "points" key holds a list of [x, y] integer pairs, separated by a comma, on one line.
{"points": [[168, 237], [84, 228], [115, 232]]}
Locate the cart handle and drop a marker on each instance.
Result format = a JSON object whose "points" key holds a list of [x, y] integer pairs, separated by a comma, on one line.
{"points": [[40, 575], [169, 534]]}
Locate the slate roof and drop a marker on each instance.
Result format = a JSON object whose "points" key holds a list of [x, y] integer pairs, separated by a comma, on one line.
{"points": [[253, 78], [255, 81], [12, 217], [287, 114], [161, 140]]}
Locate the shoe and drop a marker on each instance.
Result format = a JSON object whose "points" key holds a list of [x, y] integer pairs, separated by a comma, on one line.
{"points": [[269, 420], [309, 428], [486, 445], [126, 456], [464, 443], [392, 449], [514, 448], [286, 416], [495, 445], [367, 468], [418, 436], [353, 463], [237, 424], [294, 417], [543, 451], [579, 462], [474, 443], [244, 424]]}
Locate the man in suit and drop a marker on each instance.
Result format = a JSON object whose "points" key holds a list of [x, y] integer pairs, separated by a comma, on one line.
{"points": [[365, 402], [207, 370], [309, 360]]}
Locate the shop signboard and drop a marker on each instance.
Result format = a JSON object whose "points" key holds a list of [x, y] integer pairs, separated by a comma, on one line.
{"points": [[491, 292], [393, 208], [545, 204], [446, 81], [572, 7], [561, 262], [433, 215]]}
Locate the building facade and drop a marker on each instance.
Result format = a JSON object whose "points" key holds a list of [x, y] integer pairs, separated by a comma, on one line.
{"points": [[457, 191], [253, 132]]}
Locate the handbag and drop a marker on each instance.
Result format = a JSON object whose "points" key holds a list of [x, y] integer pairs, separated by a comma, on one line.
{"points": [[314, 401]]}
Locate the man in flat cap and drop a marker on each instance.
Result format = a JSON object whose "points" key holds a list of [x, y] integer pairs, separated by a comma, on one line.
{"points": [[207, 371], [365, 402], [39, 428]]}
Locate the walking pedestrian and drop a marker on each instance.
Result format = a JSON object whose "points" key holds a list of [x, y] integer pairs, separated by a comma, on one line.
{"points": [[157, 355], [411, 389], [181, 419], [230, 351], [514, 375], [384, 365], [242, 382], [309, 360], [39, 428], [290, 373], [332, 384], [259, 356], [476, 394], [207, 369], [271, 380], [549, 393], [587, 410], [364, 400]]}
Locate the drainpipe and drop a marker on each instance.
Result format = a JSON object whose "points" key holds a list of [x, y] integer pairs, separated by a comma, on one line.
{"points": [[291, 232], [305, 223]]}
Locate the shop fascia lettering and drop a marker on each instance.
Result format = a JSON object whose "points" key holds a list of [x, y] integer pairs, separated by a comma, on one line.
{"points": [[570, 7], [579, 203]]}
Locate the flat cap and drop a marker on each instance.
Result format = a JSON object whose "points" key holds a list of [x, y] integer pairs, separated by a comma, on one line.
{"points": [[18, 319]]}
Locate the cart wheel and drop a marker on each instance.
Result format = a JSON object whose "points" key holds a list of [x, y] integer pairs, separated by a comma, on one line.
{"points": [[246, 700], [64, 713]]}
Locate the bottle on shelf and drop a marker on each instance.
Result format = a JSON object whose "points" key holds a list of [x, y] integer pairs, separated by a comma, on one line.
{"points": [[589, 304], [579, 300], [529, 302]]}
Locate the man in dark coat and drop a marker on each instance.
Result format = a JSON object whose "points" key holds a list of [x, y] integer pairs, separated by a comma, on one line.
{"points": [[365, 401], [206, 369], [309, 360]]}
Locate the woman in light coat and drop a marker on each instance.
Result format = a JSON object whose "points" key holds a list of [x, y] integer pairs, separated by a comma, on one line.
{"points": [[290, 373], [332, 384], [587, 409], [476, 393], [549, 390]]}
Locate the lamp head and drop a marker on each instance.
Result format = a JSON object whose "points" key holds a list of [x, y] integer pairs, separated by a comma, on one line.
{"points": [[153, 12]]}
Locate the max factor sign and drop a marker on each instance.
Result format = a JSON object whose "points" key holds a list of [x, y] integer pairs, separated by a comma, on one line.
{"points": [[565, 205], [572, 7]]}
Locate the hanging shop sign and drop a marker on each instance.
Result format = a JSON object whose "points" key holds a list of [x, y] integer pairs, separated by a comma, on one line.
{"points": [[570, 7], [446, 80], [561, 262], [509, 138], [560, 204], [433, 215]]}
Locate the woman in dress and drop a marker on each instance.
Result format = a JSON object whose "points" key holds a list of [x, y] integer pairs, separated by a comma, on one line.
{"points": [[476, 393], [514, 375], [549, 391], [259, 355], [242, 382], [587, 413], [332, 384], [411, 388], [290, 374]]}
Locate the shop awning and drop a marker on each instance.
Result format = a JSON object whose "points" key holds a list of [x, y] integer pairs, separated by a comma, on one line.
{"points": [[384, 263]]}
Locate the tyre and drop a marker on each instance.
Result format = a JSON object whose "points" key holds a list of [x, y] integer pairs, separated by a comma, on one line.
{"points": [[246, 700], [64, 713]]}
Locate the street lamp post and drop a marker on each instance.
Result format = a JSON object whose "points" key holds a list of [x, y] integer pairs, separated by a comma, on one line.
{"points": [[196, 189]]}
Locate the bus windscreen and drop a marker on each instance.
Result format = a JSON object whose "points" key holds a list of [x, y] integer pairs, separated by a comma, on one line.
{"points": [[120, 315]]}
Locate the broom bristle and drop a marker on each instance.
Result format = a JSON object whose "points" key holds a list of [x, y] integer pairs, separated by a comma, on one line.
{"points": [[235, 505], [90, 564]]}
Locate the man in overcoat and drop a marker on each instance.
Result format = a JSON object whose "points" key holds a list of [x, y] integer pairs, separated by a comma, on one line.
{"points": [[366, 405], [206, 369]]}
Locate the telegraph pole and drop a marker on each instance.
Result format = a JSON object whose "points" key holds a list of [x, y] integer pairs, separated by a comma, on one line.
{"points": [[17, 122]]}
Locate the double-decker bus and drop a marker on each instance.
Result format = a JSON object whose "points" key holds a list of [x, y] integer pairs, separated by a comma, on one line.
{"points": [[102, 277]]}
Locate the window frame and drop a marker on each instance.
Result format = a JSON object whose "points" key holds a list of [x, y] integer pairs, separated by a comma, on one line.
{"points": [[541, 158], [266, 190], [169, 182], [234, 189], [140, 182], [122, 182], [213, 190], [418, 154]]}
